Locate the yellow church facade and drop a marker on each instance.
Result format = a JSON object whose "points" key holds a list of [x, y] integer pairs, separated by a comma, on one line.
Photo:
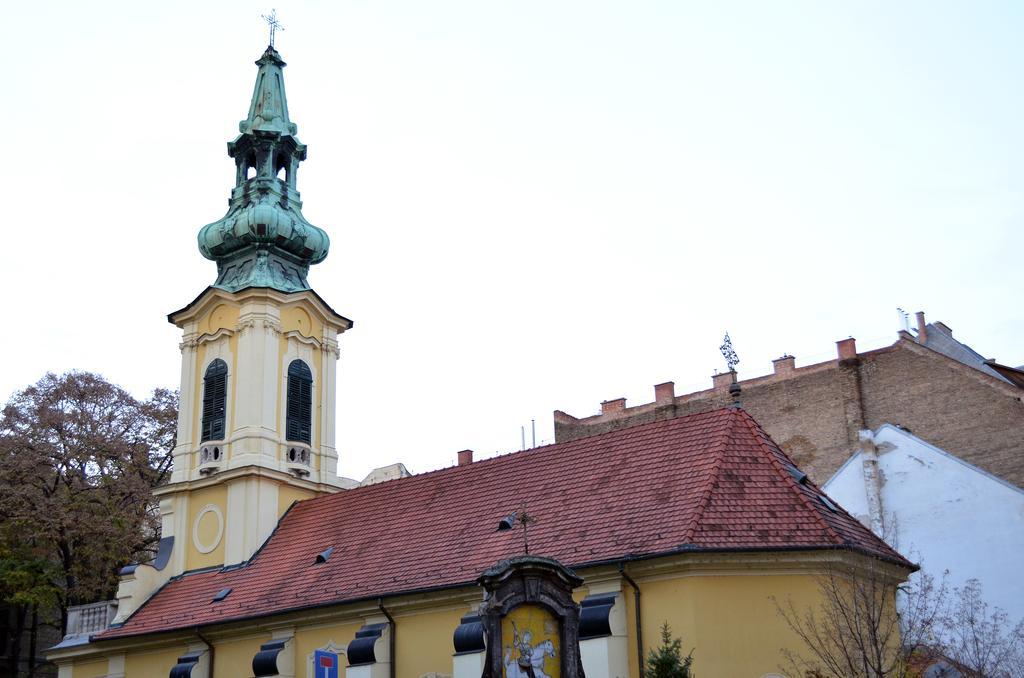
{"points": [[270, 564]]}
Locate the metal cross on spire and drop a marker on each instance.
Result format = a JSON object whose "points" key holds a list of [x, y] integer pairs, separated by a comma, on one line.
{"points": [[273, 23], [729, 353]]}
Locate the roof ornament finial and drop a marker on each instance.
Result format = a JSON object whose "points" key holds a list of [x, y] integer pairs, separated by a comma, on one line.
{"points": [[525, 519], [273, 23], [264, 240], [729, 353]]}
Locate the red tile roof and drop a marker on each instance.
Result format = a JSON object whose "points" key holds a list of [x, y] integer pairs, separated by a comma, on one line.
{"points": [[712, 481]]}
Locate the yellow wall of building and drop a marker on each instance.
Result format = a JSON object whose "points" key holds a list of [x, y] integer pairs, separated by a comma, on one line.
{"points": [[304, 321], [198, 499], [308, 640], [153, 663], [222, 316], [96, 668], [232, 659], [730, 621], [424, 642], [286, 494]]}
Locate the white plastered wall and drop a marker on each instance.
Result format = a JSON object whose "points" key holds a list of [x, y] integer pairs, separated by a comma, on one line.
{"points": [[942, 512], [254, 435]]}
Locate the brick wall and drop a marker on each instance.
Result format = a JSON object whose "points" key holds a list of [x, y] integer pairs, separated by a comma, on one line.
{"points": [[814, 413]]}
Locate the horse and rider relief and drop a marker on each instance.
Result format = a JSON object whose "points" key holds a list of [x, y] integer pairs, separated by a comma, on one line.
{"points": [[533, 650]]}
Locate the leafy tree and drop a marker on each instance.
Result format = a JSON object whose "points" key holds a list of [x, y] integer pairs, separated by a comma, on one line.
{"points": [[667, 660], [79, 458]]}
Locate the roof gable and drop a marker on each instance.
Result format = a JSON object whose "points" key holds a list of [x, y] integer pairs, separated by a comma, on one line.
{"points": [[712, 481], [891, 434]]}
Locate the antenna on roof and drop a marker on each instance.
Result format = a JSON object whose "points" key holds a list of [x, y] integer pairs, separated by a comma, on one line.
{"points": [[533, 433]]}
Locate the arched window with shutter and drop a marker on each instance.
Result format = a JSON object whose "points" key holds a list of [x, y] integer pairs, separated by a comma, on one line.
{"points": [[215, 395], [299, 422]]}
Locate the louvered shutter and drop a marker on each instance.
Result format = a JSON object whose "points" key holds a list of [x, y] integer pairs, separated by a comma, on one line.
{"points": [[299, 412], [215, 392]]}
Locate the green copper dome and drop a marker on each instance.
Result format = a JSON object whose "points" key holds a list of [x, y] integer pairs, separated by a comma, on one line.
{"points": [[263, 240]]}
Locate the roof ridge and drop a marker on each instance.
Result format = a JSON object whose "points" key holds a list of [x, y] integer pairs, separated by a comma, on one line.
{"points": [[1007, 387], [691, 415], [718, 449], [505, 455], [788, 478]]}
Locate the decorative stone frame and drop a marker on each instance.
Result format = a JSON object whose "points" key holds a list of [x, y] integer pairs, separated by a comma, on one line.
{"points": [[536, 581], [300, 348], [338, 650], [208, 548], [217, 347]]}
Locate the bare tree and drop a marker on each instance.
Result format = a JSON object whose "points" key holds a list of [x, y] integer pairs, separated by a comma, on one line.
{"points": [[856, 631], [980, 639], [79, 458]]}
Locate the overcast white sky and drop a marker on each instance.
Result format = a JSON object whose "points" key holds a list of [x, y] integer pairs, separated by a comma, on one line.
{"points": [[533, 205]]}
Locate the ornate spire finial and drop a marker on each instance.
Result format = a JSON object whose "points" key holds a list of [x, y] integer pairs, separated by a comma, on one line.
{"points": [[729, 353], [263, 240], [273, 24]]}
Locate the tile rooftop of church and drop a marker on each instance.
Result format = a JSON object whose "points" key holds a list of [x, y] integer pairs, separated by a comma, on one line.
{"points": [[708, 482], [278, 559]]}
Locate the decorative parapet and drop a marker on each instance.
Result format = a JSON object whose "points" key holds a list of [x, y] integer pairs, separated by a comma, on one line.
{"points": [[87, 620], [91, 618]]}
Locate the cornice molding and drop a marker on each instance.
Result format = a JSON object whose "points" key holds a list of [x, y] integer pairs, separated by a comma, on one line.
{"points": [[247, 471], [301, 338], [213, 295], [208, 337], [808, 563]]}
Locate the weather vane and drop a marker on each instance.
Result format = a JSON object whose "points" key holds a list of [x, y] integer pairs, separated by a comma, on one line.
{"points": [[274, 24], [729, 353]]}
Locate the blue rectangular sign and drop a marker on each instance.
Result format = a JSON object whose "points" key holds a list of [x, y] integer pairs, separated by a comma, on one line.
{"points": [[325, 664]]}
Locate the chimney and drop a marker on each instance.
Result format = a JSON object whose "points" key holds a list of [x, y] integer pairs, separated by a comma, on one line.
{"points": [[665, 393], [847, 349], [721, 382], [610, 406], [785, 364], [465, 457], [922, 329]]}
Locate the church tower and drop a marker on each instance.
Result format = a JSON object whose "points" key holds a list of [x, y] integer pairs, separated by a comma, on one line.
{"points": [[258, 357]]}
